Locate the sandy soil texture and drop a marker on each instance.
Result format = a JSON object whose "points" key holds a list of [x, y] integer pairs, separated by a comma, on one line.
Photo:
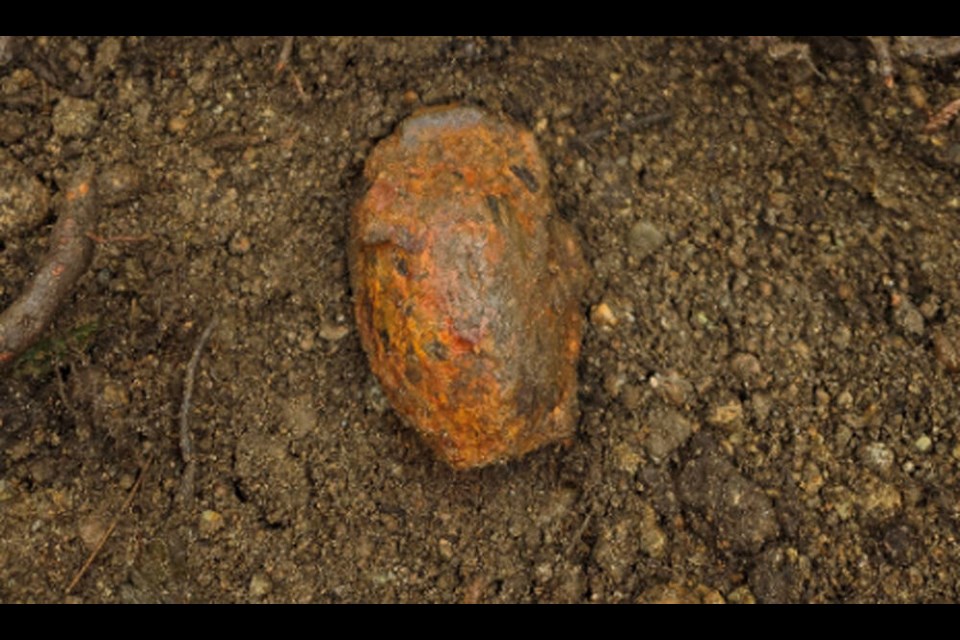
{"points": [[769, 371]]}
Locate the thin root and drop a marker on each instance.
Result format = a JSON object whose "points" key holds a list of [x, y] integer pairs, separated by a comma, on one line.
{"points": [[143, 237], [113, 525], [285, 52], [881, 47], [295, 79], [185, 493], [282, 65]]}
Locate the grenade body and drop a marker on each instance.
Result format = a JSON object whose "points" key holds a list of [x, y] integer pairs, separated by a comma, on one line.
{"points": [[467, 286]]}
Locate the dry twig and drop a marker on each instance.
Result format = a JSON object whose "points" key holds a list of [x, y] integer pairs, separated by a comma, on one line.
{"points": [[921, 48], [779, 49], [113, 525], [186, 442], [304, 98], [578, 536], [143, 237], [943, 117], [881, 48], [285, 50], [6, 49], [928, 47], [67, 259], [64, 396]]}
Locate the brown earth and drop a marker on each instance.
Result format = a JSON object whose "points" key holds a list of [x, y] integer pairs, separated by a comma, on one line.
{"points": [[768, 375]]}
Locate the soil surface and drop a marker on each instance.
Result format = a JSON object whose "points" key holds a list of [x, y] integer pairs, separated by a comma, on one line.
{"points": [[768, 379]]}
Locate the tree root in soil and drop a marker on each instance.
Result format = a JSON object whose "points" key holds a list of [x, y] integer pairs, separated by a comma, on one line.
{"points": [[70, 253]]}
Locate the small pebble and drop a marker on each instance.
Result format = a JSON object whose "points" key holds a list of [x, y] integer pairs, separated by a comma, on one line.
{"points": [[307, 342], [630, 396], [107, 54], [376, 399], [24, 201], [679, 593], [877, 457], [821, 397], [115, 395], [91, 530], [844, 400], [119, 183], [259, 585], [613, 382], [653, 540], [946, 352], [737, 257], [333, 332], [917, 96], [176, 124], [75, 118], [126, 480], [746, 367], [602, 315], [644, 239], [908, 317], [803, 94], [446, 549], [210, 523], [671, 387], [841, 337], [726, 414], [923, 443], [543, 572], [626, 458], [12, 127], [239, 244], [812, 478], [930, 307], [6, 49], [741, 595], [761, 404], [881, 500], [739, 510], [668, 431]]}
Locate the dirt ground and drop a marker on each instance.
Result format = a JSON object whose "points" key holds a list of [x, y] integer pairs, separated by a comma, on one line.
{"points": [[768, 380]]}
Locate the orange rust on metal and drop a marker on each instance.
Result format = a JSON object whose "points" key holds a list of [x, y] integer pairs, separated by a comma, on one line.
{"points": [[467, 286]]}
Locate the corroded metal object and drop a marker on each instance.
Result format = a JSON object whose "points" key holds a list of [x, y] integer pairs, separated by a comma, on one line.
{"points": [[467, 286]]}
